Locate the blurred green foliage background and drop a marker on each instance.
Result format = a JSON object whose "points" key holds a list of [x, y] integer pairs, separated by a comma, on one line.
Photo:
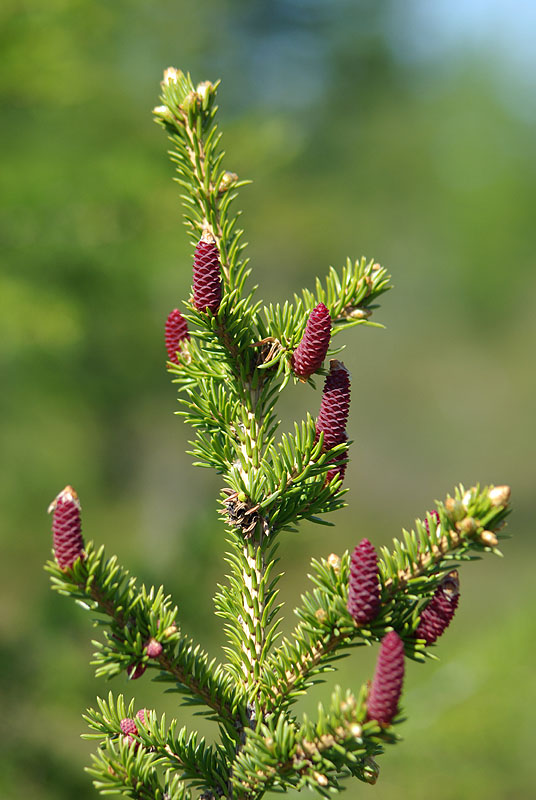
{"points": [[402, 131]]}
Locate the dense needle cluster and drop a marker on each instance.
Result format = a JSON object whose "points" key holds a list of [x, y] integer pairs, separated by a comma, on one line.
{"points": [[207, 275], [67, 528], [364, 586], [311, 351], [386, 688]]}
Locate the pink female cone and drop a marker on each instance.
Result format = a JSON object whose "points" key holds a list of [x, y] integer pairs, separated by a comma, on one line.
{"points": [[67, 528], [364, 586], [440, 611], [335, 405], [129, 728], [176, 332], [311, 351], [207, 275], [386, 688]]}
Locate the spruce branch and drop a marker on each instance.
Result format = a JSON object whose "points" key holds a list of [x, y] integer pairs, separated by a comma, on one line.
{"points": [[231, 358], [188, 115], [132, 616], [192, 761]]}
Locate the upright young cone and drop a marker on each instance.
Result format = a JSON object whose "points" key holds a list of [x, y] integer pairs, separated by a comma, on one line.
{"points": [[176, 332], [311, 351], [439, 612], [364, 585], [67, 528], [207, 275], [386, 688], [335, 405]]}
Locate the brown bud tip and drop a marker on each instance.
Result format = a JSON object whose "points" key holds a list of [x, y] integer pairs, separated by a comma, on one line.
{"points": [[311, 351], [439, 612], [154, 649], [334, 562], [321, 615], [207, 274], [320, 779], [170, 630], [467, 526], [499, 495], [334, 406], [386, 688], [176, 332], [228, 179], [454, 509], [489, 539], [171, 75], [128, 727], [364, 586], [67, 528]]}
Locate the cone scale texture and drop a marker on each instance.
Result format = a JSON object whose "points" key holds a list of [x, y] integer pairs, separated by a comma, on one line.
{"points": [[207, 275], [335, 405], [67, 528], [364, 586], [311, 351], [129, 728], [176, 332], [386, 688], [439, 612]]}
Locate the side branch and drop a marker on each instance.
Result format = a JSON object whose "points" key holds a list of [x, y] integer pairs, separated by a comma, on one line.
{"points": [[140, 631]]}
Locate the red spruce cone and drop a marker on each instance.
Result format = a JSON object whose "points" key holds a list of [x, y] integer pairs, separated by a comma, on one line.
{"points": [[207, 274], [141, 715], [439, 612], [128, 727], [67, 528], [176, 332], [340, 469], [364, 585], [311, 351], [386, 688], [335, 405]]}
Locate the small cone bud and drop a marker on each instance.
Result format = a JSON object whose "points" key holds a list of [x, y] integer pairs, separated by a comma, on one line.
{"points": [[489, 539], [335, 405], [228, 179], [467, 526], [207, 275], [154, 649], [311, 351], [142, 716], [454, 509], [67, 528], [386, 688], [171, 75], [128, 727], [320, 779], [176, 332], [499, 495], [439, 612], [364, 586], [334, 562]]}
